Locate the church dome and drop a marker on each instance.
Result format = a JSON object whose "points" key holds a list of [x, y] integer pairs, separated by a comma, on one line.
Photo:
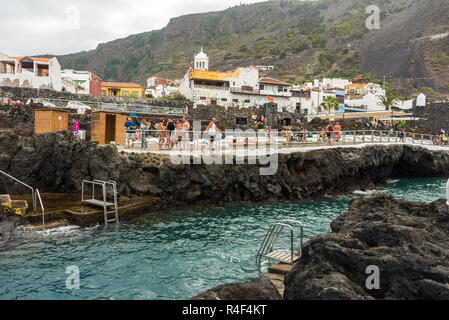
{"points": [[201, 55]]}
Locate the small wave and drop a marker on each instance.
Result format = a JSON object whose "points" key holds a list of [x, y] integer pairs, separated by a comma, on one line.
{"points": [[364, 193], [58, 231], [391, 181]]}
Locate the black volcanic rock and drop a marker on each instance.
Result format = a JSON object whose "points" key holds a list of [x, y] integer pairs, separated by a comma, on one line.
{"points": [[57, 162], [257, 289], [408, 241]]}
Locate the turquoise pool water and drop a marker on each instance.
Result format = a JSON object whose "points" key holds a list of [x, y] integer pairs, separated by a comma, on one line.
{"points": [[168, 255]]}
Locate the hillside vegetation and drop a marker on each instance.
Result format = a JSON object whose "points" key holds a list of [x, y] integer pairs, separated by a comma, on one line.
{"points": [[303, 40]]}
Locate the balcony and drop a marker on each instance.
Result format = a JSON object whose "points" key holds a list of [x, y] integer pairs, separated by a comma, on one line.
{"points": [[245, 91]]}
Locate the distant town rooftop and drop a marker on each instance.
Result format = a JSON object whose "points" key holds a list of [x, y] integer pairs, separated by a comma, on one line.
{"points": [[268, 80], [213, 75], [121, 85], [33, 58]]}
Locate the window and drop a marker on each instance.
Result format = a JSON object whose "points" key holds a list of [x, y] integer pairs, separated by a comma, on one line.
{"points": [[202, 98], [262, 87], [247, 101], [235, 100], [224, 99], [136, 93], [103, 92], [7, 67], [340, 99], [42, 70], [280, 89], [125, 93]]}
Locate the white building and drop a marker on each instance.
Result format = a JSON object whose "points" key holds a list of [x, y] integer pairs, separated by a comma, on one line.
{"points": [[365, 96], [327, 83], [241, 87], [421, 100], [309, 97], [81, 82], [30, 72], [161, 91]]}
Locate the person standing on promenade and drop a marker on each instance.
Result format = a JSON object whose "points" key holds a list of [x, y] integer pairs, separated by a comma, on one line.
{"points": [[130, 129], [212, 131], [170, 129], [76, 128], [161, 133], [337, 129], [186, 134], [402, 136], [144, 131], [330, 133]]}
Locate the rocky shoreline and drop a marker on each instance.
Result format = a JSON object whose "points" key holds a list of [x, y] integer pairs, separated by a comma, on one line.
{"points": [[57, 163], [406, 241], [400, 236]]}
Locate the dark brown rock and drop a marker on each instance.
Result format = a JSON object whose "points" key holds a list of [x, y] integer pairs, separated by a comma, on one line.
{"points": [[406, 240], [257, 289]]}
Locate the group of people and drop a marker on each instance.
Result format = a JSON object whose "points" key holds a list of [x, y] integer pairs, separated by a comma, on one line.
{"points": [[134, 132], [173, 135], [331, 132], [440, 139]]}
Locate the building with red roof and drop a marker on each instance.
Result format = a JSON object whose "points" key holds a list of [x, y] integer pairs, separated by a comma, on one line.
{"points": [[30, 72]]}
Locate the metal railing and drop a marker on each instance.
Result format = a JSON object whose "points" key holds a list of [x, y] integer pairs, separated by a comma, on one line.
{"points": [[23, 184], [268, 245], [187, 140], [38, 196], [104, 202], [35, 196]]}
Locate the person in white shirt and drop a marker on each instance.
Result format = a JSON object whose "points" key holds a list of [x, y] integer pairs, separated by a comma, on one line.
{"points": [[212, 131]]}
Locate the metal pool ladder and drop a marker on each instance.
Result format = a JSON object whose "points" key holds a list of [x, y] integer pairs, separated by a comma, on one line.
{"points": [[267, 248], [102, 203]]}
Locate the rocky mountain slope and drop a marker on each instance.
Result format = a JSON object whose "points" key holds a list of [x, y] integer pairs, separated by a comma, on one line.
{"points": [[302, 39]]}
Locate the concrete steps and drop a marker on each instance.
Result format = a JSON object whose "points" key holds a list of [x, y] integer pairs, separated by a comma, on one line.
{"points": [[276, 275]]}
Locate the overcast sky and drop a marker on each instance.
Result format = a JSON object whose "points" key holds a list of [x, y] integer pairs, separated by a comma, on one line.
{"points": [[33, 27]]}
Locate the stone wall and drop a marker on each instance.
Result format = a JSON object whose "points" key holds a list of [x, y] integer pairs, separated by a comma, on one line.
{"points": [[437, 114], [23, 94], [226, 117]]}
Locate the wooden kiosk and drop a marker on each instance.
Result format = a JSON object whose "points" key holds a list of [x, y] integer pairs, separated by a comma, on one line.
{"points": [[51, 120], [107, 127]]}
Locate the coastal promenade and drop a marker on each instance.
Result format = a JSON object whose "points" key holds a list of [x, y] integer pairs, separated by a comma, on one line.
{"points": [[236, 144]]}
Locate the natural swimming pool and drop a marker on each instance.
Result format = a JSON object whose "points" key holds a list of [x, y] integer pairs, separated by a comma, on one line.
{"points": [[174, 254]]}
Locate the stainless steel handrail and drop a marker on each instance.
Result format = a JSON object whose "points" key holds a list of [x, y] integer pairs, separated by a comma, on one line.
{"points": [[103, 184], [24, 184], [272, 237], [301, 235], [38, 195]]}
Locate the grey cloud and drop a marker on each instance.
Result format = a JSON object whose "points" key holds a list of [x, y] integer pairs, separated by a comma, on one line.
{"points": [[41, 27]]}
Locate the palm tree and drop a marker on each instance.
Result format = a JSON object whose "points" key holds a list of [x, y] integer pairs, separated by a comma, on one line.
{"points": [[387, 101], [330, 103]]}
